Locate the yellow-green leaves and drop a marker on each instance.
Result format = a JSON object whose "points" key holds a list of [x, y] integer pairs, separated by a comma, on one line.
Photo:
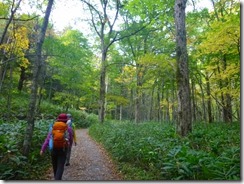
{"points": [[17, 45]]}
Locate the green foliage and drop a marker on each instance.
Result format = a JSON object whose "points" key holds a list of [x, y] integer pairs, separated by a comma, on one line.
{"points": [[82, 119], [13, 165], [48, 110], [153, 151], [18, 106]]}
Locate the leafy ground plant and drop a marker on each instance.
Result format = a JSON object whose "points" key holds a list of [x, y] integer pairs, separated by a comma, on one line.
{"points": [[210, 152], [15, 166]]}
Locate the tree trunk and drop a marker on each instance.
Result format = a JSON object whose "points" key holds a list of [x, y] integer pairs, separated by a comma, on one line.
{"points": [[34, 88], [3, 71], [151, 111], [10, 88], [138, 94], [203, 102], [209, 103], [174, 110], [193, 101], [21, 78], [102, 87], [13, 11], [227, 101], [228, 109], [225, 97], [168, 106], [3, 67], [159, 112], [184, 124]]}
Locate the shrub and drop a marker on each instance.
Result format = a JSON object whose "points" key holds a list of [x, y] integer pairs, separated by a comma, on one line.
{"points": [[13, 164], [210, 152]]}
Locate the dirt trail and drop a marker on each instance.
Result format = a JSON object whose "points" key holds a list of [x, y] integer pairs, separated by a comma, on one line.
{"points": [[89, 161]]}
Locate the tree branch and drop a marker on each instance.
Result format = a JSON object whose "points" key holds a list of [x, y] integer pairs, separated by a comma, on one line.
{"points": [[13, 10], [5, 18]]}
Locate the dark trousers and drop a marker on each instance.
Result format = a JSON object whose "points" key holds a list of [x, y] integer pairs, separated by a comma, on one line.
{"points": [[68, 154], [58, 161]]}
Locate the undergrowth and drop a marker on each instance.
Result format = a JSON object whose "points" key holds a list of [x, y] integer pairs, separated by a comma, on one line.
{"points": [[15, 166], [153, 151]]}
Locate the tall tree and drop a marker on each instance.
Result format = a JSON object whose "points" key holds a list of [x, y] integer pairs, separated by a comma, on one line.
{"points": [[104, 19], [34, 89], [70, 65], [184, 124], [103, 23], [220, 52], [13, 8]]}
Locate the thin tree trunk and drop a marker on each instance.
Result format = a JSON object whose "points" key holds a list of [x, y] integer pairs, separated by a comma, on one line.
{"points": [[120, 112], [167, 111], [21, 78], [159, 112], [138, 101], [227, 97], [203, 102], [10, 86], [174, 111], [34, 88], [162, 107], [209, 103], [151, 111], [193, 101], [228, 107], [3, 71], [102, 87], [2, 66], [13, 11], [184, 125]]}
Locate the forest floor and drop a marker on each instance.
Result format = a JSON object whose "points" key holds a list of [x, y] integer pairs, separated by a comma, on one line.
{"points": [[89, 161]]}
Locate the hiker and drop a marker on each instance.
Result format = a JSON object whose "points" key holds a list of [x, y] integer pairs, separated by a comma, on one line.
{"points": [[61, 135], [71, 124]]}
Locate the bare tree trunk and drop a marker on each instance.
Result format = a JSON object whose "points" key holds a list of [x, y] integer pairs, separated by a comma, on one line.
{"points": [[34, 88], [168, 107], [138, 101], [209, 103], [159, 112], [184, 124], [228, 109], [10, 87], [193, 101], [227, 101], [225, 97], [151, 111], [120, 112], [21, 78], [174, 111], [102, 88], [203, 101]]}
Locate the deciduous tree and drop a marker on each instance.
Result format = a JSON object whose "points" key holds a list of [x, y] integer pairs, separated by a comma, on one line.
{"points": [[184, 124]]}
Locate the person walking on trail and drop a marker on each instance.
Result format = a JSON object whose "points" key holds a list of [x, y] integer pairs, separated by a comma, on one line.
{"points": [[71, 124], [58, 139]]}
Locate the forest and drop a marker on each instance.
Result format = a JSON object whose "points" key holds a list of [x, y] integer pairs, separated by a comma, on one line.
{"points": [[158, 78]]}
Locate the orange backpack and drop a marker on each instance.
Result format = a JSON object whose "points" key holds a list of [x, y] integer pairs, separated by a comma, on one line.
{"points": [[60, 135]]}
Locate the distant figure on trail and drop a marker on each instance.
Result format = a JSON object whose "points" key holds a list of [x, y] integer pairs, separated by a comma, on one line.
{"points": [[71, 124], [59, 138]]}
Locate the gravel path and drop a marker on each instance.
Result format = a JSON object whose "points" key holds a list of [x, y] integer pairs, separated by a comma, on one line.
{"points": [[88, 161]]}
